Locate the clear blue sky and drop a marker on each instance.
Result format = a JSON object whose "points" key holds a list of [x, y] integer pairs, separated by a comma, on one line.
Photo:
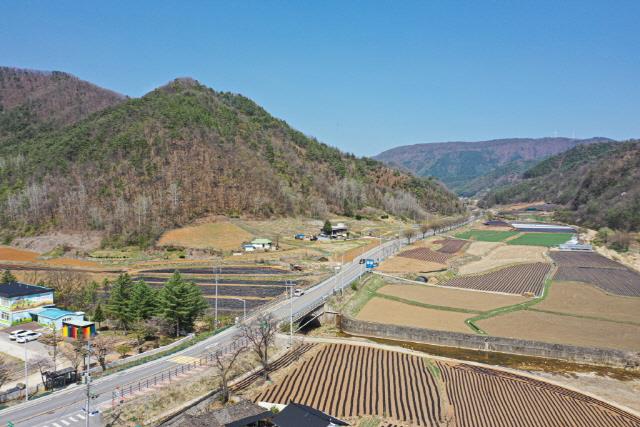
{"points": [[361, 75]]}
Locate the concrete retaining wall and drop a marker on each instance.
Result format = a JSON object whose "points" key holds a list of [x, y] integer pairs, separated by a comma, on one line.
{"points": [[594, 356]]}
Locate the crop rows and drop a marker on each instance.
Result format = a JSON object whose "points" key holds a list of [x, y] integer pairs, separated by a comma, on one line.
{"points": [[221, 281], [614, 281], [355, 381], [584, 259], [425, 254], [485, 397], [517, 279], [450, 246], [223, 270]]}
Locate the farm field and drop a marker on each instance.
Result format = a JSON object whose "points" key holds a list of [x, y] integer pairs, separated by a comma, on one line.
{"points": [[486, 235], [381, 310], [504, 255], [588, 300], [541, 239], [584, 259], [486, 397], [349, 382], [614, 281], [481, 248], [450, 246], [425, 254], [517, 279], [555, 328], [352, 382], [224, 236], [447, 297], [398, 264]]}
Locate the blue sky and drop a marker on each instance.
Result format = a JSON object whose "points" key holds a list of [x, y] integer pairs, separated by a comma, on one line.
{"points": [[364, 76]]}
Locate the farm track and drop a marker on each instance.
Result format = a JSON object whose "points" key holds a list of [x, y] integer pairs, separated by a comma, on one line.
{"points": [[484, 397], [450, 246], [352, 381], [517, 280], [425, 254], [221, 281]]}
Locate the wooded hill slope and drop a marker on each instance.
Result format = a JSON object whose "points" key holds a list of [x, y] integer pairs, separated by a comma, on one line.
{"points": [[471, 167], [184, 151], [32, 102], [599, 184]]}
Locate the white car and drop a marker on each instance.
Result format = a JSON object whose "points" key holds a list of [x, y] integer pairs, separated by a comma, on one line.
{"points": [[29, 336], [298, 292], [15, 334]]}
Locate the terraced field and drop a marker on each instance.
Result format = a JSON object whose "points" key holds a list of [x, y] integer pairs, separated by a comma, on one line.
{"points": [[584, 259], [425, 254], [450, 246], [517, 280]]}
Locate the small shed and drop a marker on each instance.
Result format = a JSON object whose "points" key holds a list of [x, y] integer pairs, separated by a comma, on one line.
{"points": [[296, 415], [78, 329], [261, 243], [54, 317]]}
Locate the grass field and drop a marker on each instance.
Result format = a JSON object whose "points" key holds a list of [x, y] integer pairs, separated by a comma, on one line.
{"points": [[586, 300], [541, 239], [554, 328], [486, 235], [502, 256], [224, 236], [398, 264]]}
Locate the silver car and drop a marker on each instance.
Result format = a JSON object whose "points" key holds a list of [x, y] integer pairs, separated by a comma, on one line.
{"points": [[29, 336], [15, 334]]}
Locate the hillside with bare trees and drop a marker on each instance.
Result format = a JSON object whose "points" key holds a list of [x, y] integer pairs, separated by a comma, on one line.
{"points": [[184, 151]]}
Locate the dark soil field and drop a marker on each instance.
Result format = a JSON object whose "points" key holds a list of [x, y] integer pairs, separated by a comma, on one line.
{"points": [[425, 254], [617, 282], [485, 397], [517, 280], [223, 270], [584, 259], [450, 246], [221, 281]]}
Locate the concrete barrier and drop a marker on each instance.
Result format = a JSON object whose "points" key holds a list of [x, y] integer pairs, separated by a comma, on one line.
{"points": [[588, 355]]}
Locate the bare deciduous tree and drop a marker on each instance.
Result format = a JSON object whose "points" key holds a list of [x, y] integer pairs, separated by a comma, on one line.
{"points": [[223, 364], [408, 234], [52, 339], [5, 374], [260, 336], [101, 346]]}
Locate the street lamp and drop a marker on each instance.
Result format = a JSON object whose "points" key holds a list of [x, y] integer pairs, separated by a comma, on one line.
{"points": [[216, 270], [26, 372], [244, 308]]}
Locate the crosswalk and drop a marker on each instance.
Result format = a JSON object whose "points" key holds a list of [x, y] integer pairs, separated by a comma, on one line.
{"points": [[184, 360], [67, 421]]}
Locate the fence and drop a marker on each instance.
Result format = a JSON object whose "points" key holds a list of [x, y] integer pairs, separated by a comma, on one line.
{"points": [[171, 374], [18, 393], [596, 356]]}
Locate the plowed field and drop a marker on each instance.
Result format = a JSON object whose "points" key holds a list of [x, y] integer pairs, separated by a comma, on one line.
{"points": [[516, 279], [584, 259], [450, 246], [484, 397], [614, 281], [425, 254], [354, 381]]}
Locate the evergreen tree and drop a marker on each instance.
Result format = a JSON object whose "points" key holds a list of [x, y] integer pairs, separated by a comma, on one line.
{"points": [[327, 228], [181, 302], [98, 315], [143, 301], [118, 307], [7, 278]]}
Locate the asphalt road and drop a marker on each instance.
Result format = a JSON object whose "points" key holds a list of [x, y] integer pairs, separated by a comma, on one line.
{"points": [[64, 408]]}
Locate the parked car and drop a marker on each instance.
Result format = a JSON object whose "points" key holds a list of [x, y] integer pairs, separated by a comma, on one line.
{"points": [[29, 336], [299, 236], [298, 292], [13, 335]]}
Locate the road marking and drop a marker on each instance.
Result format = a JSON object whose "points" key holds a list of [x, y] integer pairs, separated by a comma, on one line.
{"points": [[73, 419], [185, 360], [65, 422], [81, 416], [56, 425]]}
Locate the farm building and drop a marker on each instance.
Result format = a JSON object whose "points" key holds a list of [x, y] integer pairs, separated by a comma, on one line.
{"points": [[242, 414], [571, 246], [18, 300], [260, 244], [339, 230], [542, 228], [56, 317], [295, 415], [496, 223]]}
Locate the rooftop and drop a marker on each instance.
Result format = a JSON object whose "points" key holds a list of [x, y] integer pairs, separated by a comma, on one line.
{"points": [[261, 241], [55, 313], [17, 289], [295, 415], [79, 323]]}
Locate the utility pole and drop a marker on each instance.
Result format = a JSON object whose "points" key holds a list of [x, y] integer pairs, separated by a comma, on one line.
{"points": [[290, 314], [88, 381], [26, 372], [215, 327]]}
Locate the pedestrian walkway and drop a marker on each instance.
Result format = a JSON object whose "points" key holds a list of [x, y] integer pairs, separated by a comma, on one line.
{"points": [[184, 360]]}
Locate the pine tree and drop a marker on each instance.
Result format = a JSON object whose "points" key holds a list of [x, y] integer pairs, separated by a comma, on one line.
{"points": [[143, 301], [98, 315], [7, 277], [118, 307], [180, 302], [327, 228]]}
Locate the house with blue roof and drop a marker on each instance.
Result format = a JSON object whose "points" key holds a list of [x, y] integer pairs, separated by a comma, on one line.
{"points": [[54, 317], [18, 301]]}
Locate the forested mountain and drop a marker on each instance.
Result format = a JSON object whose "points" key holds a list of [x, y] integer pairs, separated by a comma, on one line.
{"points": [[599, 184], [184, 151], [470, 167], [36, 101]]}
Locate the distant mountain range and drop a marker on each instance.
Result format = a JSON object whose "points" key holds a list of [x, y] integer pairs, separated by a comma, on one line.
{"points": [[598, 185], [476, 167], [79, 157]]}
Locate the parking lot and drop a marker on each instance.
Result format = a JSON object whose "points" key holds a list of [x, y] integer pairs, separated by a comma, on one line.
{"points": [[35, 349]]}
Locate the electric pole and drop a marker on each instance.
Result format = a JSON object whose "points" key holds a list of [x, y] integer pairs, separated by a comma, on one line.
{"points": [[216, 309], [26, 372], [291, 315], [88, 381]]}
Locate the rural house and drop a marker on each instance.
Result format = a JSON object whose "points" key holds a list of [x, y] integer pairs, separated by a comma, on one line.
{"points": [[56, 317], [339, 230], [261, 244], [19, 300]]}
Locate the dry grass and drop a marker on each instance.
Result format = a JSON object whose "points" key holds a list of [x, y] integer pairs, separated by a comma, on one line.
{"points": [[399, 264], [224, 236], [353, 253], [557, 329], [448, 297], [504, 255], [381, 310], [71, 262], [8, 253], [588, 300], [481, 248]]}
